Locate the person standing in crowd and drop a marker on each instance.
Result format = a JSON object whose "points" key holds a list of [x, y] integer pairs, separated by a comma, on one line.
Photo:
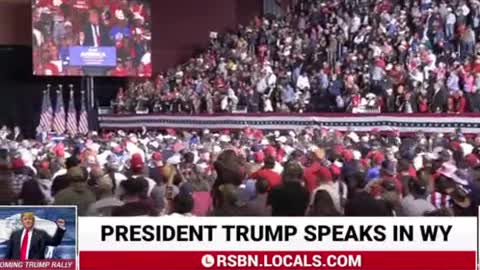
{"points": [[258, 205], [135, 200], [106, 200], [137, 172], [322, 205], [16, 135], [182, 205], [363, 203], [61, 180], [290, 198], [20, 175], [314, 165], [416, 204], [7, 193], [267, 173], [77, 193], [325, 183]]}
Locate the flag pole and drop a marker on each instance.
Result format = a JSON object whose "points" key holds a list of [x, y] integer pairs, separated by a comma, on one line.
{"points": [[83, 124], [50, 125], [59, 97], [72, 114], [60, 109]]}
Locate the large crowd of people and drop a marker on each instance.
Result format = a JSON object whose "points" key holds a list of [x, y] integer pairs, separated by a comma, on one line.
{"points": [[312, 172], [325, 56], [330, 56]]}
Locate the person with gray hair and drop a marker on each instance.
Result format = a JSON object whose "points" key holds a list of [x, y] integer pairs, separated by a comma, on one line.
{"points": [[106, 199]]}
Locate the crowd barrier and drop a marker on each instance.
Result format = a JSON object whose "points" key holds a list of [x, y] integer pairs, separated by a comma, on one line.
{"points": [[406, 123]]}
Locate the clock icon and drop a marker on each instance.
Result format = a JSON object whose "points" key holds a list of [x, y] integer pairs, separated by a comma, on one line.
{"points": [[208, 261]]}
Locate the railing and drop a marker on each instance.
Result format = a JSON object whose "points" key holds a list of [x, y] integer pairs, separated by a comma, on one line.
{"points": [[446, 123]]}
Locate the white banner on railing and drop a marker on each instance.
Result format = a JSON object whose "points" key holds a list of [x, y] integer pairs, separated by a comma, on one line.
{"points": [[469, 123]]}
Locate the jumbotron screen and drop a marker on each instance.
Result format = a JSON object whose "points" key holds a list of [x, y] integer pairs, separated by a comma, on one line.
{"points": [[92, 38]]}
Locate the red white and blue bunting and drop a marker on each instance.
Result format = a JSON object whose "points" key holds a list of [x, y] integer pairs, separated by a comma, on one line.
{"points": [[405, 123]]}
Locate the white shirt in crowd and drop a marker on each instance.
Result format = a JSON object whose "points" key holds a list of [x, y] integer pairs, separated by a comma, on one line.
{"points": [[278, 168], [355, 24], [451, 18], [59, 173], [146, 58], [271, 80], [119, 178], [262, 85], [303, 82]]}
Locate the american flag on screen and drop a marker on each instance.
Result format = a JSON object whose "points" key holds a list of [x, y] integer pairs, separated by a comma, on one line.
{"points": [[72, 116], [83, 122], [46, 115], [59, 119]]}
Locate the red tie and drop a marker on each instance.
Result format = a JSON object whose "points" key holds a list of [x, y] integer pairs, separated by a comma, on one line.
{"points": [[23, 252]]}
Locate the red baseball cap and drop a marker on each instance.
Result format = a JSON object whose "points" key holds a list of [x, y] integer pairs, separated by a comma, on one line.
{"points": [[136, 162], [259, 157], [157, 156]]}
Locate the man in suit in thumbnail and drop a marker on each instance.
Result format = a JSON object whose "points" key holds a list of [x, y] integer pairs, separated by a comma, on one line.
{"points": [[30, 243]]}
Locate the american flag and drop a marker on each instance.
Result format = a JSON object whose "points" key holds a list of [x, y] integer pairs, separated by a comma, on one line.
{"points": [[83, 122], [46, 115], [59, 119], [72, 116]]}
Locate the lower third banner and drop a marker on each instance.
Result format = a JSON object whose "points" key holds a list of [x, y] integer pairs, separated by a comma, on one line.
{"points": [[279, 260], [278, 243]]}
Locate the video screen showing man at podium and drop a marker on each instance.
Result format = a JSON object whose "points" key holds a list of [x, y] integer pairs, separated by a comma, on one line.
{"points": [[91, 38]]}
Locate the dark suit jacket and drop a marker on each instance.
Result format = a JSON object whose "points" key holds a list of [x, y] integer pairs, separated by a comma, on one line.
{"points": [[104, 36], [38, 244], [17, 138], [439, 100], [60, 183]]}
